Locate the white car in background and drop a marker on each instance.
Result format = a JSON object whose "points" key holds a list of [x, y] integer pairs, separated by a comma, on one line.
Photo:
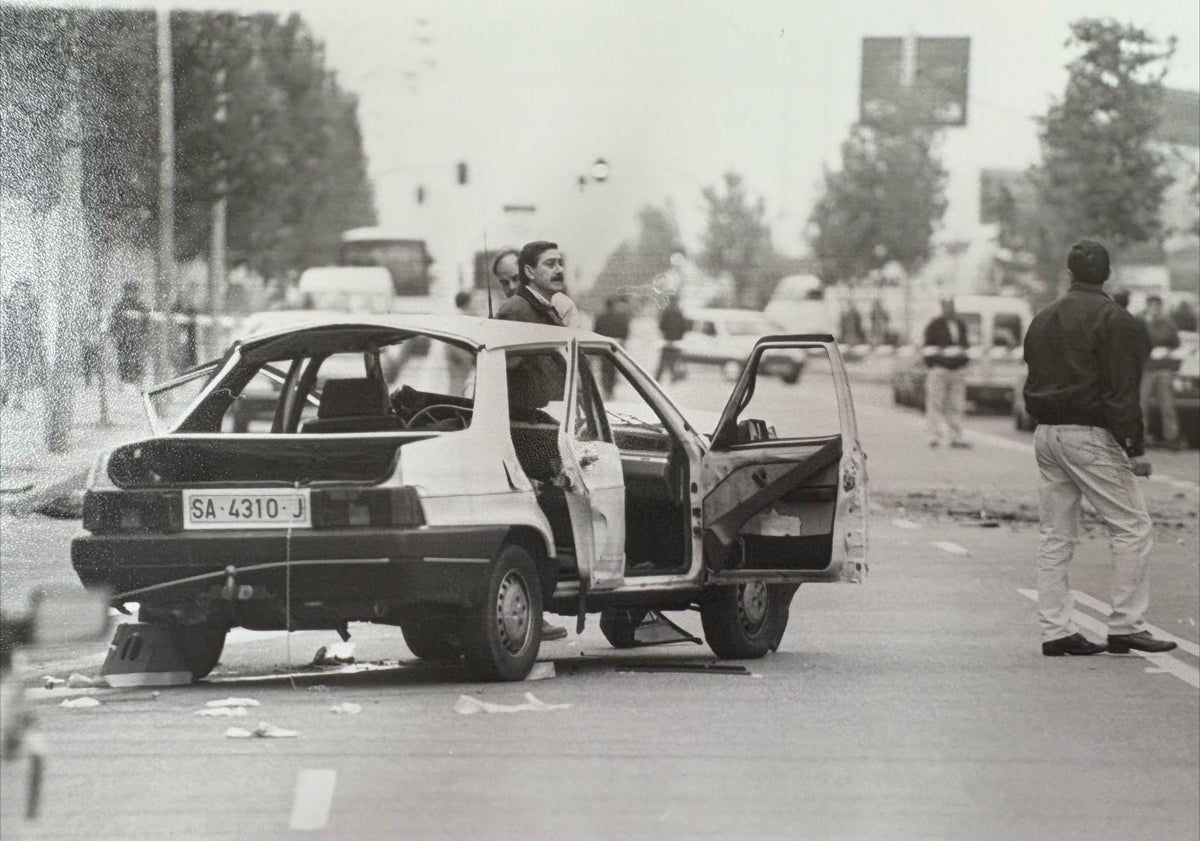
{"points": [[726, 338]]}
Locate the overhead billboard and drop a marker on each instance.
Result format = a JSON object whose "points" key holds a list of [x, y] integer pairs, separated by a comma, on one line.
{"points": [[924, 79]]}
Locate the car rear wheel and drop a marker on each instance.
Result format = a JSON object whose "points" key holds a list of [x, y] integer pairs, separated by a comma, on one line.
{"points": [[503, 632], [618, 625], [432, 639], [746, 621]]}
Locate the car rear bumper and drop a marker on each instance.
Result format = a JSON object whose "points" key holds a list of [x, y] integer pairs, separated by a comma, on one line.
{"points": [[426, 564]]}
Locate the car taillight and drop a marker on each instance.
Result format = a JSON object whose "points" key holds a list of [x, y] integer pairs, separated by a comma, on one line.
{"points": [[125, 512], [334, 507]]}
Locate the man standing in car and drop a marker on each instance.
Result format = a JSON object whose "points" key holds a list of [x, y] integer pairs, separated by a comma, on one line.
{"points": [[945, 380], [1085, 357], [542, 276], [540, 296]]}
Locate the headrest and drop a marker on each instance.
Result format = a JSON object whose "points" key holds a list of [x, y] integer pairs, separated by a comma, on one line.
{"points": [[353, 398]]}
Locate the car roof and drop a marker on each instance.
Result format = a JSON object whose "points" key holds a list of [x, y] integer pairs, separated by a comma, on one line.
{"points": [[472, 330]]}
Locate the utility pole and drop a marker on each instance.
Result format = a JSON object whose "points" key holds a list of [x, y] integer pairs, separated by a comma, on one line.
{"points": [[165, 281]]}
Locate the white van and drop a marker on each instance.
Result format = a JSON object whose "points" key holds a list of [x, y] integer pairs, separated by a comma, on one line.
{"points": [[350, 288], [996, 326], [799, 306]]}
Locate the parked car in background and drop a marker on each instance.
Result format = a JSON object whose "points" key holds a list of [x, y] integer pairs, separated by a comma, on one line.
{"points": [[726, 338], [996, 327], [492, 483]]}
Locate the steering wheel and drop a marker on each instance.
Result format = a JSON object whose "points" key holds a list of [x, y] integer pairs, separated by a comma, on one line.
{"points": [[443, 413]]}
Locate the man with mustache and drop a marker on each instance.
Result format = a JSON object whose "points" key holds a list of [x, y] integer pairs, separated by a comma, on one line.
{"points": [[540, 298]]}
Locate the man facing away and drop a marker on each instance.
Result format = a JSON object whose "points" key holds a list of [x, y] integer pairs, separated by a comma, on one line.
{"points": [[1159, 374], [1085, 357], [945, 380]]}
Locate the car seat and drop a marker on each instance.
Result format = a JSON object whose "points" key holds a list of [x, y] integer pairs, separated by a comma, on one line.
{"points": [[353, 405]]}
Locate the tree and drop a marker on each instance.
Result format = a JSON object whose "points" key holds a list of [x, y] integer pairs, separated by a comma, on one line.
{"points": [[737, 241], [1101, 175], [883, 205], [635, 264]]}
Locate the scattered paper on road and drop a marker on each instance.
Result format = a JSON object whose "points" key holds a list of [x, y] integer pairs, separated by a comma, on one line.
{"points": [[263, 731], [542, 670], [233, 702], [222, 712], [79, 703], [902, 523], [469, 706], [951, 548], [50, 681], [347, 708], [338, 654], [78, 681]]}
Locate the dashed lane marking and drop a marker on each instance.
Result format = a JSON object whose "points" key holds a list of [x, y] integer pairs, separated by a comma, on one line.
{"points": [[313, 799], [1188, 674], [1103, 608]]}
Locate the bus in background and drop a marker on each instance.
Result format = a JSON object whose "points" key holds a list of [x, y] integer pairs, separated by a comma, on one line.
{"points": [[407, 260]]}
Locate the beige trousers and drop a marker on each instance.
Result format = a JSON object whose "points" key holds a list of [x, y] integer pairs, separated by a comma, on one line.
{"points": [[945, 401], [1086, 461]]}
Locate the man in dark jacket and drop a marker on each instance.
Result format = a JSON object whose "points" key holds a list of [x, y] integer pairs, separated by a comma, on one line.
{"points": [[673, 325], [1085, 357], [1158, 377], [542, 275], [945, 356], [614, 323]]}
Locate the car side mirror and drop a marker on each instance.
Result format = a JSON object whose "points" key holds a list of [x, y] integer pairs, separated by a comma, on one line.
{"points": [[751, 431]]}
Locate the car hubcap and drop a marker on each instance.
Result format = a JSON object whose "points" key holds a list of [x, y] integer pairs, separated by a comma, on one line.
{"points": [[512, 613], [752, 606]]}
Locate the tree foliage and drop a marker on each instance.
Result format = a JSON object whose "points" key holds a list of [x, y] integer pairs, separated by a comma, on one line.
{"points": [[737, 240], [883, 205], [1101, 175], [635, 263]]}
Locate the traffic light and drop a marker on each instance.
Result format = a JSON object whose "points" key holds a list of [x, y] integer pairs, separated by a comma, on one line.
{"points": [[462, 172]]}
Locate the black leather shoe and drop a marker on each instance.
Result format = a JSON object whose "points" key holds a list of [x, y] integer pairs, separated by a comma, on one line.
{"points": [[552, 632], [1076, 644], [1141, 641]]}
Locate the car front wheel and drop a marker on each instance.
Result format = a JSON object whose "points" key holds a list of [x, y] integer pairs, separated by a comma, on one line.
{"points": [[745, 621], [503, 632]]}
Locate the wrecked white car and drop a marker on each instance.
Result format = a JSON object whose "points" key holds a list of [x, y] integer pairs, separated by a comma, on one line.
{"points": [[456, 477]]}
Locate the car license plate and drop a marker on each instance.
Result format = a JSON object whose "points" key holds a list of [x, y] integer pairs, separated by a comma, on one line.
{"points": [[235, 509]]}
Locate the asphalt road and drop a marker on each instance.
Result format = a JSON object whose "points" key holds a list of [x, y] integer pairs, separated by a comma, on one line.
{"points": [[916, 706]]}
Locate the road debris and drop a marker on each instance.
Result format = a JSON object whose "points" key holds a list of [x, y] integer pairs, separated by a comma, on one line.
{"points": [[233, 702], [903, 523], [50, 681], [542, 670], [467, 705], [263, 731], [346, 708], [687, 668], [339, 654], [80, 703], [950, 548], [78, 681], [222, 712]]}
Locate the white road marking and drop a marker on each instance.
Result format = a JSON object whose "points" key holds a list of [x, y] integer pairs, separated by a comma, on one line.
{"points": [[1102, 608], [1188, 674], [313, 798], [951, 548]]}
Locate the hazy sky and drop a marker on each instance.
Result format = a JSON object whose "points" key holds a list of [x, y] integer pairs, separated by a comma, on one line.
{"points": [[672, 94]]}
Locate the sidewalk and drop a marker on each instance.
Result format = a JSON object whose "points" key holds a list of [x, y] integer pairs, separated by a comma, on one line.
{"points": [[30, 477]]}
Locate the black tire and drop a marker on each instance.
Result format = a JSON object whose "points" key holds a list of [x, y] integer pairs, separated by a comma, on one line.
{"points": [[745, 621], [618, 624], [502, 634], [792, 376], [432, 639], [199, 646]]}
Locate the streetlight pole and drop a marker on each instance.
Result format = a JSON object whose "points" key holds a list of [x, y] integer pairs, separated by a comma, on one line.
{"points": [[165, 280]]}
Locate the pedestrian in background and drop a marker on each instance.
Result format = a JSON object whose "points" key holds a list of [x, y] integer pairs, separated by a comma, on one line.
{"points": [[23, 353], [1158, 378], [128, 327], [1085, 356], [945, 356], [673, 325], [614, 323]]}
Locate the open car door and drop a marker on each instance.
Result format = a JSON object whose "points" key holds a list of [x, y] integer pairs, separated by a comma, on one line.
{"points": [[593, 481], [784, 482]]}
